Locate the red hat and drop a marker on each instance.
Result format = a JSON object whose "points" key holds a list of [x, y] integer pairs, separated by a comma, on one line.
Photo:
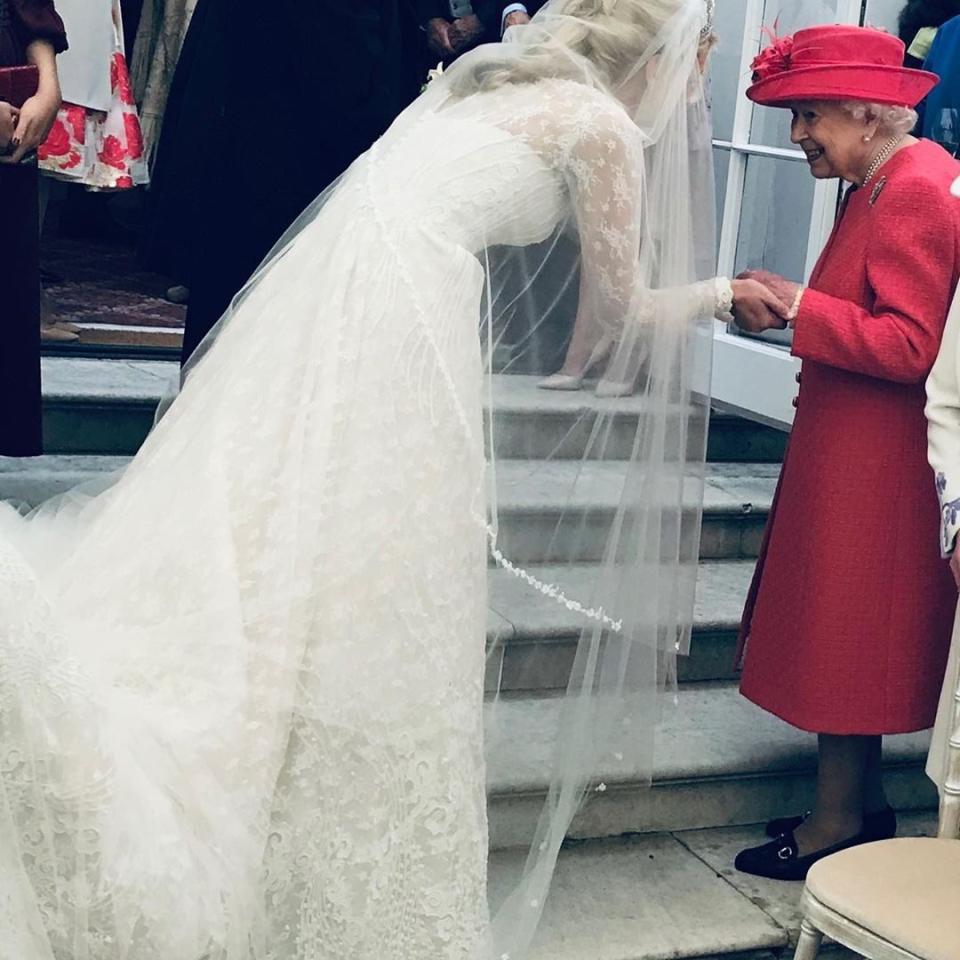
{"points": [[837, 63]]}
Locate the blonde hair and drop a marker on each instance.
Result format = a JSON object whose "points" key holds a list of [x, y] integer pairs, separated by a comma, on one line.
{"points": [[612, 35]]}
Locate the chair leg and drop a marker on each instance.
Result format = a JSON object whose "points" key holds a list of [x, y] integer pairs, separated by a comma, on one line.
{"points": [[950, 815], [808, 946]]}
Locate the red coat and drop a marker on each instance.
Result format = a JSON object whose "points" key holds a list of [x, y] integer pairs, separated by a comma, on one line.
{"points": [[849, 618]]}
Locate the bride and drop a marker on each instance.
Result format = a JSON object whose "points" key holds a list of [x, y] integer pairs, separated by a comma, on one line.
{"points": [[242, 687]]}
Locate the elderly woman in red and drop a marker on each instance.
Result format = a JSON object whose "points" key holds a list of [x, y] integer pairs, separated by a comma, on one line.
{"points": [[848, 621]]}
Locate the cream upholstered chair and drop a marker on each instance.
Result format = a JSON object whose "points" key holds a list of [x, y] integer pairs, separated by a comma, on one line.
{"points": [[896, 899]]}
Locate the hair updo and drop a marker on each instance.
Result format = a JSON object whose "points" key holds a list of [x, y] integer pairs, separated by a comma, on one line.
{"points": [[611, 35]]}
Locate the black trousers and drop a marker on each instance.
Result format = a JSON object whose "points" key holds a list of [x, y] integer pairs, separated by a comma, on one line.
{"points": [[250, 138], [20, 398]]}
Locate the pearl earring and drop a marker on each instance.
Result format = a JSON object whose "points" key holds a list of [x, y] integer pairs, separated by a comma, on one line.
{"points": [[867, 138]]}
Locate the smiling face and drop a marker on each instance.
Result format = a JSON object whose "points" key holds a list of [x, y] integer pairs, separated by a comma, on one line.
{"points": [[833, 140]]}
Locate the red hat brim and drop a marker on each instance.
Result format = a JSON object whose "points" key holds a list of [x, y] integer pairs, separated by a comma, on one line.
{"points": [[873, 83]]}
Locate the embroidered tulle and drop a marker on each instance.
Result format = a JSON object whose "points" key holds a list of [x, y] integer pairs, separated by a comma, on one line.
{"points": [[242, 688]]}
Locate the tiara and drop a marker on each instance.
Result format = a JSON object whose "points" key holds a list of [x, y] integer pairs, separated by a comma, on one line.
{"points": [[707, 30]]}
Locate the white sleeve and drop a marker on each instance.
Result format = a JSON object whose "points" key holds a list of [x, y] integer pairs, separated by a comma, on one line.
{"points": [[507, 10], [603, 168], [943, 429]]}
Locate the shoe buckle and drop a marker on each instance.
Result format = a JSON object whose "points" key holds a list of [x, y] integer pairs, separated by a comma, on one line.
{"points": [[784, 853]]}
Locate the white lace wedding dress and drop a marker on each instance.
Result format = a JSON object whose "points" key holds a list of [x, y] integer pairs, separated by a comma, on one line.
{"points": [[241, 689]]}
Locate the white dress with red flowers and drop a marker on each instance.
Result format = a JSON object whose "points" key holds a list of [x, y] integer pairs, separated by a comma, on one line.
{"points": [[102, 149]]}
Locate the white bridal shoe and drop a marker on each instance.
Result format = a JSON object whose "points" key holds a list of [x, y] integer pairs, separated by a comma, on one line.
{"points": [[611, 389], [574, 381]]}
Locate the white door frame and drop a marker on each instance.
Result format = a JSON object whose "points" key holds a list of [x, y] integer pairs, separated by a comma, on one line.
{"points": [[751, 377]]}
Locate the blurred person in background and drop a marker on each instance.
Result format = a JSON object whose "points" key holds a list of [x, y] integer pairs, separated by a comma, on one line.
{"points": [[268, 107], [31, 33], [454, 26], [917, 26], [96, 140], [161, 31], [939, 113]]}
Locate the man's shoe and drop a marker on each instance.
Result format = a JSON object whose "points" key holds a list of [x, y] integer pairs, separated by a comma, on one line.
{"points": [[53, 333], [68, 326], [178, 294]]}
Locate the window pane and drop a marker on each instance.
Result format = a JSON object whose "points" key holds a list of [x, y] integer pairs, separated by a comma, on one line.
{"points": [[721, 166], [725, 65], [775, 220], [883, 13], [771, 125]]}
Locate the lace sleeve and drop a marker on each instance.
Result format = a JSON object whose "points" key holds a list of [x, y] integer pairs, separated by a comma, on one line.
{"points": [[605, 174]]}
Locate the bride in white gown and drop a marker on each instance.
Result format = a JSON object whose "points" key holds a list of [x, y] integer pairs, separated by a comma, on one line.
{"points": [[241, 708]]}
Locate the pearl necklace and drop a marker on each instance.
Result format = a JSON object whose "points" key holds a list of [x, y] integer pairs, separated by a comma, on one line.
{"points": [[882, 156]]}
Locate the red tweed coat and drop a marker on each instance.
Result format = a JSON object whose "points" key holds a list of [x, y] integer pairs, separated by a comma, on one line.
{"points": [[849, 618]]}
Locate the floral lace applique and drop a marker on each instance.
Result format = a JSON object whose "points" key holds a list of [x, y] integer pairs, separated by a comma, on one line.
{"points": [[949, 516]]}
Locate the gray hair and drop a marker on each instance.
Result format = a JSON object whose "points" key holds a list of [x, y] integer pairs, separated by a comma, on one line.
{"points": [[897, 121]]}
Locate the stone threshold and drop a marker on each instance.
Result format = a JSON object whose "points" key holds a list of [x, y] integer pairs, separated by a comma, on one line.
{"points": [[669, 896]]}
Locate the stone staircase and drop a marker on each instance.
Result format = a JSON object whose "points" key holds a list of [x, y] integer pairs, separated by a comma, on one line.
{"points": [[647, 873]]}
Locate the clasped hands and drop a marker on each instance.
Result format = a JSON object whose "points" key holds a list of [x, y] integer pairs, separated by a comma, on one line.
{"points": [[447, 39], [23, 130], [763, 300]]}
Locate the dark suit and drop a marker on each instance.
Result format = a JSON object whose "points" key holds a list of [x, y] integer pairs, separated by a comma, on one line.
{"points": [[269, 104], [490, 13], [21, 23]]}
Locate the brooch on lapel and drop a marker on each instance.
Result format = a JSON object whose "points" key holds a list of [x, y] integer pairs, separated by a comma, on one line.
{"points": [[877, 190]]}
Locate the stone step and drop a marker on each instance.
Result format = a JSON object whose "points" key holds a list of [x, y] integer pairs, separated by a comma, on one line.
{"points": [[540, 424], [719, 761], [106, 406], [532, 639], [668, 896], [93, 405], [539, 520]]}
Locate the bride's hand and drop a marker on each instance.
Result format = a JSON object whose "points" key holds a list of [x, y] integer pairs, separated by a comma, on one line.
{"points": [[785, 290]]}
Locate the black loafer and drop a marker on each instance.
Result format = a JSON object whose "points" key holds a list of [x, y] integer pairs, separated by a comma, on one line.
{"points": [[780, 860], [881, 825], [781, 825]]}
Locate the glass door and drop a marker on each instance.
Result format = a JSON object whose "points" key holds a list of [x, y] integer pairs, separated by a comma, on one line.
{"points": [[772, 214]]}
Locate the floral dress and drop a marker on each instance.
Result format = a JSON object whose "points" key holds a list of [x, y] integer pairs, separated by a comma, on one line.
{"points": [[103, 150]]}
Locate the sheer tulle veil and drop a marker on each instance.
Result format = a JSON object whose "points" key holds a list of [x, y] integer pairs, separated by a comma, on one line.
{"points": [[626, 567], [606, 96]]}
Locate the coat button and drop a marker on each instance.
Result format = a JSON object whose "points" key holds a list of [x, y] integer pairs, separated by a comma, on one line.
{"points": [[795, 402], [798, 377]]}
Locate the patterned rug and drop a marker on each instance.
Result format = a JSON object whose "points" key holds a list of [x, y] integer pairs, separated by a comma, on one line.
{"points": [[101, 288]]}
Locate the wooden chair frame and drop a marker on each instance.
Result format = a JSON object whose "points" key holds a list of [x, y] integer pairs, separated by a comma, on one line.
{"points": [[820, 920]]}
